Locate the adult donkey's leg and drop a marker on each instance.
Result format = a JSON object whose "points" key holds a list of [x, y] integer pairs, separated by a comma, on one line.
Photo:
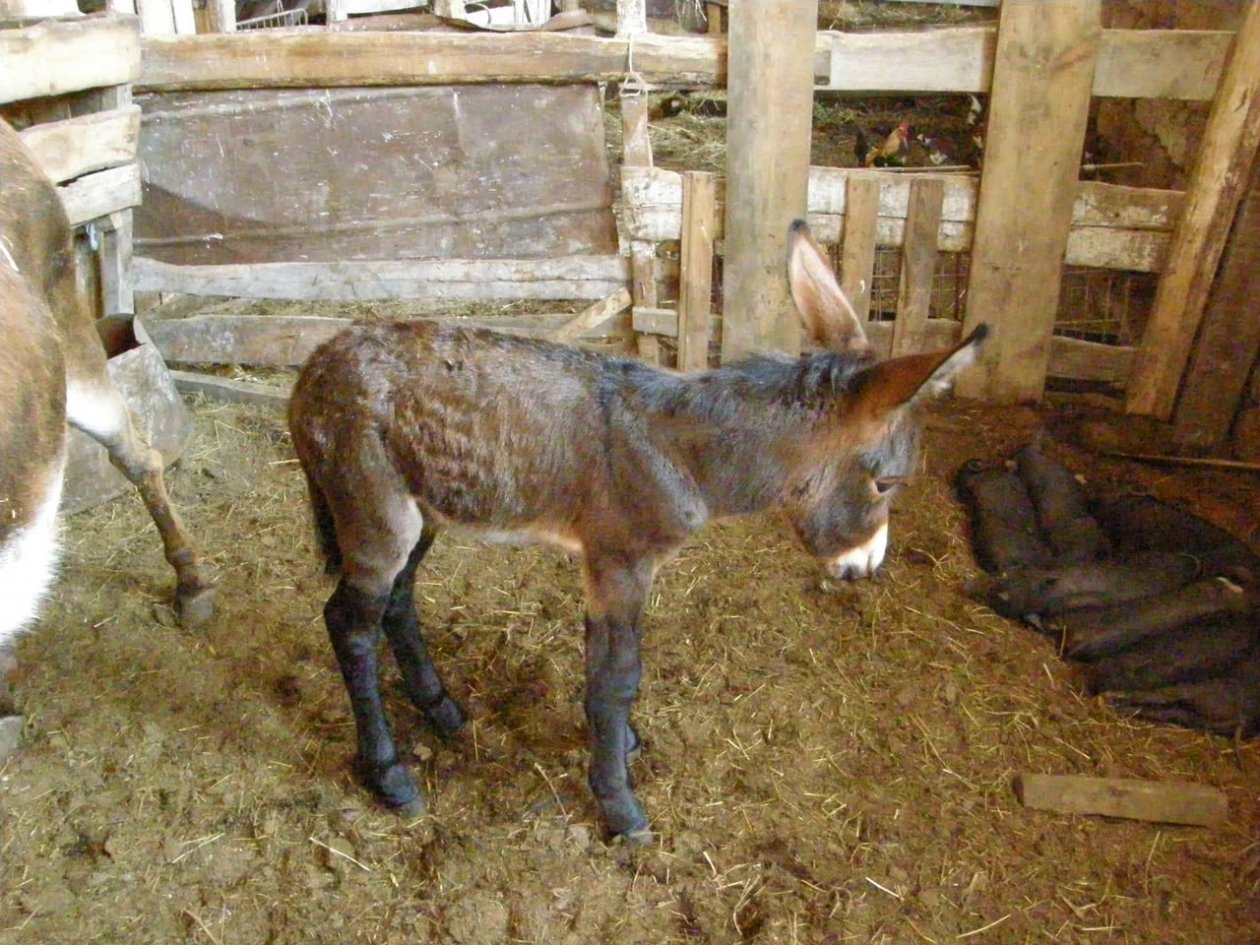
{"points": [[94, 405]]}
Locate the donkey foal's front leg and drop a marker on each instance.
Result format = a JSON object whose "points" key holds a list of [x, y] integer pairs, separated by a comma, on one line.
{"points": [[354, 619], [613, 669]]}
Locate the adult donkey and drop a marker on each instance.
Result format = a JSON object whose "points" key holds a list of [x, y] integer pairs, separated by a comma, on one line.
{"points": [[403, 429], [53, 370]]}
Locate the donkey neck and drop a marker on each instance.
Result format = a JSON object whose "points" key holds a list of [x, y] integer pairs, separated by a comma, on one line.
{"points": [[737, 429]]}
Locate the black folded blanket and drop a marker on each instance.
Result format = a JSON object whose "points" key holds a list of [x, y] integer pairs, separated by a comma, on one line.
{"points": [[1160, 607]]}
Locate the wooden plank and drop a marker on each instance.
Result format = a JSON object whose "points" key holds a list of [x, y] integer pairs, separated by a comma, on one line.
{"points": [[485, 171], [1173, 802], [242, 339], [695, 285], [770, 110], [857, 259], [655, 321], [570, 277], [1216, 184], [102, 193], [1179, 64], [643, 291], [1132, 63], [223, 15], [324, 59], [229, 390], [287, 340], [591, 318], [918, 266], [85, 143], [1069, 357], [1037, 114], [1226, 350], [1113, 227], [636, 145], [117, 293], [56, 57]]}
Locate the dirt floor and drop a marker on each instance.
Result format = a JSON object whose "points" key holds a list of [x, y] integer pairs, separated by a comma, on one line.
{"points": [[823, 763]]}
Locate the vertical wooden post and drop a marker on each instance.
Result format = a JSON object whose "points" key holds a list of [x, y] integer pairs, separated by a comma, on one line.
{"points": [[857, 254], [1043, 74], [222, 15], [918, 265], [770, 109], [631, 17], [1216, 184], [1216, 379], [695, 287], [117, 291], [637, 152]]}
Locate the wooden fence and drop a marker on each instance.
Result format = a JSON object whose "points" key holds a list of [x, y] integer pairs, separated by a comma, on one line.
{"points": [[1071, 222]]}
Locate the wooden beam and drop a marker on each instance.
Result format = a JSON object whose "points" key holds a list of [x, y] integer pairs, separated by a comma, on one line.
{"points": [[117, 293], [85, 143], [770, 104], [1226, 351], [1113, 227], [287, 340], [102, 193], [1216, 184], [1037, 113], [567, 277], [918, 266], [1175, 802], [695, 282], [56, 57], [229, 390], [1183, 64], [857, 260], [322, 58], [591, 318]]}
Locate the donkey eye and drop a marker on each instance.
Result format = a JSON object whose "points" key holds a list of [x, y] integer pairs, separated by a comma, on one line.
{"points": [[885, 485]]}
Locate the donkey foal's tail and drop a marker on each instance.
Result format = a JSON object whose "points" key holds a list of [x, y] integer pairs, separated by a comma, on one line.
{"points": [[325, 529]]}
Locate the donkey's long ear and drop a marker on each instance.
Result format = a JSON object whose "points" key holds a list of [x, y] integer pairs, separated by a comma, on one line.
{"points": [[825, 312], [890, 384]]}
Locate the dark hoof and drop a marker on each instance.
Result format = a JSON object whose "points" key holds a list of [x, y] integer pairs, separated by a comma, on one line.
{"points": [[625, 819], [195, 608], [635, 838], [447, 717], [395, 789]]}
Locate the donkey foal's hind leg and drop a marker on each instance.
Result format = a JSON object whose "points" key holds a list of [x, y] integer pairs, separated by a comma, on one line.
{"points": [[354, 620], [421, 680]]}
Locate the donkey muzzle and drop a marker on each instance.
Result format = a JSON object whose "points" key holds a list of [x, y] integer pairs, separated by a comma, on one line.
{"points": [[862, 560]]}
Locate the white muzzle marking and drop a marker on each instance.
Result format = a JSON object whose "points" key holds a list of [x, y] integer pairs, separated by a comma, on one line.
{"points": [[862, 561]]}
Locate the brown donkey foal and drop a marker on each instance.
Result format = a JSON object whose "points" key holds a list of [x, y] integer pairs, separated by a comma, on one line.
{"points": [[403, 429]]}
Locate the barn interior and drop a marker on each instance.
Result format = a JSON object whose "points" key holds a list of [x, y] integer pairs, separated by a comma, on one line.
{"points": [[823, 761]]}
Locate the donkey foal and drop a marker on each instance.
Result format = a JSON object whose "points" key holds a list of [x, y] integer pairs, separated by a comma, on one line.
{"points": [[402, 429]]}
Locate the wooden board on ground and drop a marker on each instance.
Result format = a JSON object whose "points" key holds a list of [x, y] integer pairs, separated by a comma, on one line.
{"points": [[1174, 802], [337, 175]]}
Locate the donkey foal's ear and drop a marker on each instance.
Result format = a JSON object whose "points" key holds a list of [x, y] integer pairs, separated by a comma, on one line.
{"points": [[825, 312], [891, 384]]}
